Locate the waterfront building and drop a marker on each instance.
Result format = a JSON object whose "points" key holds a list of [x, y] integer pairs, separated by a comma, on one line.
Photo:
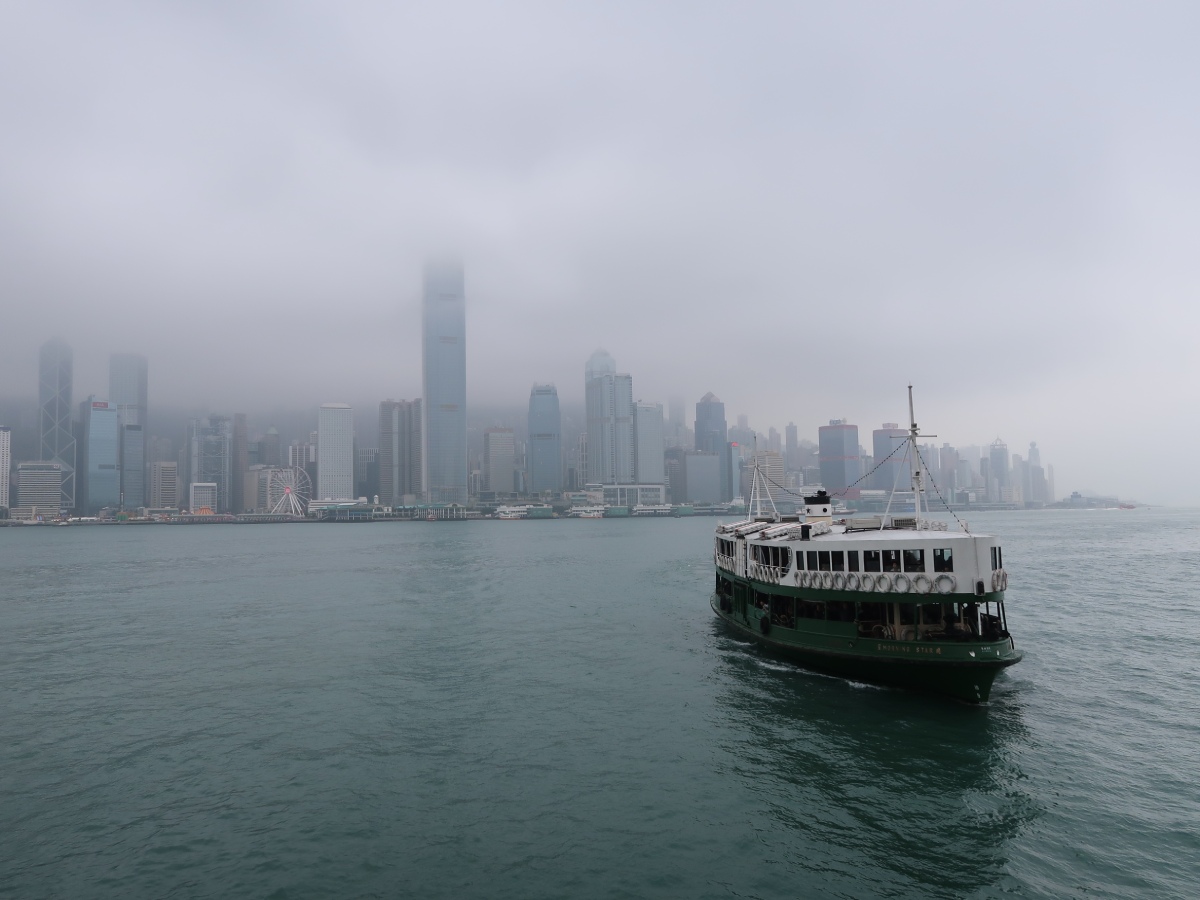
{"points": [[269, 453], [400, 452], [649, 443], [712, 436], [608, 398], [203, 495], [998, 485], [209, 457], [891, 474], [133, 466], [545, 440], [5, 464], [164, 484], [239, 450], [335, 452], [770, 464], [128, 390], [499, 460], [444, 382], [55, 373], [366, 473], [791, 448], [39, 490], [838, 457], [98, 473], [701, 478]]}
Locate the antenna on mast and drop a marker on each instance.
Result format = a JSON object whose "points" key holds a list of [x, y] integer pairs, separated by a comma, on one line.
{"points": [[918, 475]]}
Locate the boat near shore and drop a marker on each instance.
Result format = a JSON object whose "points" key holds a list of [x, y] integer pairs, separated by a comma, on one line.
{"points": [[898, 600]]}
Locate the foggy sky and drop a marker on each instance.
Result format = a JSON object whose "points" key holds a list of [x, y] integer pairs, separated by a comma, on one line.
{"points": [[799, 207]]}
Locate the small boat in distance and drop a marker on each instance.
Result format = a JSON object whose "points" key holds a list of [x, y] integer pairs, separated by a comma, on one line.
{"points": [[894, 600]]}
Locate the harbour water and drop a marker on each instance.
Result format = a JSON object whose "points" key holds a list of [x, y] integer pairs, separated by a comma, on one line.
{"points": [[550, 709]]}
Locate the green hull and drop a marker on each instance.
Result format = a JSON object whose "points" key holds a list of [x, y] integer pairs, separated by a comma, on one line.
{"points": [[963, 670]]}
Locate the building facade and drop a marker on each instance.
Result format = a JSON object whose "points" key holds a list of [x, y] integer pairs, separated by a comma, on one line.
{"points": [[545, 440], [444, 382], [837, 446], [608, 397], [400, 469], [712, 436], [335, 452], [164, 485], [56, 366], [128, 390], [5, 465], [499, 460], [889, 475], [98, 457], [209, 457], [39, 490], [650, 443]]}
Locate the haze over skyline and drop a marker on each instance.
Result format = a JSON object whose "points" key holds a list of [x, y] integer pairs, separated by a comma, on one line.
{"points": [[798, 208]]}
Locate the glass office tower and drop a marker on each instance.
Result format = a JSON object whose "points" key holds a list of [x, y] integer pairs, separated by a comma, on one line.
{"points": [[444, 376]]}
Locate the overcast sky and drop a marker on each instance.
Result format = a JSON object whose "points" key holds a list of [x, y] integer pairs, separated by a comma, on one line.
{"points": [[800, 207]]}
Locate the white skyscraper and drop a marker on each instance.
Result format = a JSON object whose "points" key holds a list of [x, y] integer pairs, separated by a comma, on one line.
{"points": [[5, 464], [335, 452]]}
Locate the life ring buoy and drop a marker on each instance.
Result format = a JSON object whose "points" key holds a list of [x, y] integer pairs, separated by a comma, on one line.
{"points": [[1003, 580], [852, 581], [826, 580], [883, 583], [839, 581], [868, 583], [908, 633], [922, 584], [902, 584], [945, 583], [996, 580], [764, 624], [882, 631], [796, 576]]}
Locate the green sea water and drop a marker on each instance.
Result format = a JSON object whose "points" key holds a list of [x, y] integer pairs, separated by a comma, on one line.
{"points": [[550, 709]]}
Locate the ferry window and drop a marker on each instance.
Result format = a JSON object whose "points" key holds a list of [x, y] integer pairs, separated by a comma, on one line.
{"points": [[914, 560], [1000, 558], [761, 599], [838, 559], [812, 560], [852, 561], [808, 609], [823, 558], [908, 613], [871, 612], [785, 557], [841, 611], [931, 614], [995, 561], [891, 560], [781, 611], [871, 561], [943, 560]]}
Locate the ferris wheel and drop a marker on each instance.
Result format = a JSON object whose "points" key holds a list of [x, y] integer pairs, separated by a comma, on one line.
{"points": [[288, 491]]}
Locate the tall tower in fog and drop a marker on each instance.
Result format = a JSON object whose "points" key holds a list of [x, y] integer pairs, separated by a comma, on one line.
{"points": [[545, 440], [335, 452], [56, 365], [611, 455], [127, 390], [444, 379]]}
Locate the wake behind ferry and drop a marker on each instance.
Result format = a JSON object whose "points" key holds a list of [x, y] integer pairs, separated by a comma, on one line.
{"points": [[896, 600]]}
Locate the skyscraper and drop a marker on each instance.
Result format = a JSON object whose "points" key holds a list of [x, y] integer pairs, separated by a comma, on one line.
{"points": [[889, 475], [545, 440], [400, 452], [209, 460], [164, 485], [444, 378], [839, 458], [335, 452], [55, 372], [39, 490], [128, 391], [5, 464], [712, 436], [648, 439], [609, 407], [98, 476], [239, 465], [499, 454]]}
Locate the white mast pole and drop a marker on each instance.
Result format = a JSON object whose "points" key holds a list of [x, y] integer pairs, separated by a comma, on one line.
{"points": [[916, 459]]}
